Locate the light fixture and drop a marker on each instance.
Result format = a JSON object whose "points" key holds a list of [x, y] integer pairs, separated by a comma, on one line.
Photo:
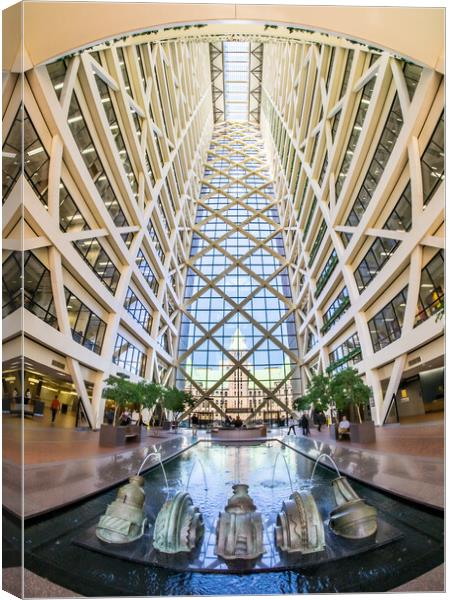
{"points": [[35, 151]]}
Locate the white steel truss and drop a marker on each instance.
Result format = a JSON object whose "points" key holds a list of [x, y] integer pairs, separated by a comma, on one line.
{"points": [[357, 146], [238, 347], [116, 180]]}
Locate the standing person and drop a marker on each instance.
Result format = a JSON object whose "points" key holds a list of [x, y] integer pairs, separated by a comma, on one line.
{"points": [[194, 424], [305, 425], [55, 406], [321, 420], [291, 426], [27, 396]]}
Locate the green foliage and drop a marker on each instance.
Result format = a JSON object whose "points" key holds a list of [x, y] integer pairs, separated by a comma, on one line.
{"points": [[150, 393], [122, 392], [318, 394], [348, 389], [177, 400]]}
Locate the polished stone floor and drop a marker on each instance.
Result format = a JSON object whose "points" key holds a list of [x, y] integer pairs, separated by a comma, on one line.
{"points": [[63, 465]]}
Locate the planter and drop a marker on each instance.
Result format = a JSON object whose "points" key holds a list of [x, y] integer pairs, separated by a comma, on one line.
{"points": [[119, 435], [359, 433], [363, 433]]}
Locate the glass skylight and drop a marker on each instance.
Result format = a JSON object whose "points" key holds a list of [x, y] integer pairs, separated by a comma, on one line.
{"points": [[236, 80]]}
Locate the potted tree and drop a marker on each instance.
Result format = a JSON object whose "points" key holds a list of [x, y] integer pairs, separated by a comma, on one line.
{"points": [[151, 394], [318, 394], [351, 394], [177, 401], [122, 392]]}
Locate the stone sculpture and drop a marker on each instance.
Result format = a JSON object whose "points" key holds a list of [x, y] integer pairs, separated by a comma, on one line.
{"points": [[124, 520], [179, 525], [239, 533], [299, 527], [353, 518]]}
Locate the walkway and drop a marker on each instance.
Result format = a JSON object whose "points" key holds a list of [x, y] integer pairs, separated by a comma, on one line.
{"points": [[407, 460], [64, 465]]}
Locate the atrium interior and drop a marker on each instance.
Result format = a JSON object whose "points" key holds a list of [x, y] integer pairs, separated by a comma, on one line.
{"points": [[235, 209]]}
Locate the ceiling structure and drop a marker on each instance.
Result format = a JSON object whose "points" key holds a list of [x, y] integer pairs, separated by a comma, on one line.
{"points": [[354, 137]]}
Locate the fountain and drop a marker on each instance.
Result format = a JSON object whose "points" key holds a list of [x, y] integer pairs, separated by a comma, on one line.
{"points": [[299, 527], [286, 466], [124, 520], [311, 528], [353, 518], [200, 463], [179, 525], [239, 533], [334, 464], [157, 453]]}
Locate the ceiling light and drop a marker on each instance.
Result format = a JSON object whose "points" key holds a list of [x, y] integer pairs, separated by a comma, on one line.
{"points": [[35, 151]]}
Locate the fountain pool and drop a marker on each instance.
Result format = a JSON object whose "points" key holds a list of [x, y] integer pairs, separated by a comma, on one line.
{"points": [[52, 542]]}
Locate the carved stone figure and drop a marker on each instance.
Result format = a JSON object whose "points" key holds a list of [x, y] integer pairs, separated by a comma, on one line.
{"points": [[353, 518], [299, 527], [124, 520], [239, 533], [179, 525]]}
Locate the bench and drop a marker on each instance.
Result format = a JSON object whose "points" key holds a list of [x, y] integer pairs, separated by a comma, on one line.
{"points": [[111, 436]]}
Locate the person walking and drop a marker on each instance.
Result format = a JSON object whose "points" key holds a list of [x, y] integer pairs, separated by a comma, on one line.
{"points": [[194, 424], [305, 425], [55, 406], [321, 420], [291, 426], [27, 396]]}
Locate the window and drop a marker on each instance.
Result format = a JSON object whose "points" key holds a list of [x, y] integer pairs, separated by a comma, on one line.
{"points": [[128, 357], [71, 218], [89, 154], [386, 326], [433, 161], [107, 103], [317, 242], [155, 238], [412, 74], [400, 218], [147, 272], [327, 271], [355, 134], [57, 73], [348, 353], [432, 288], [87, 328], [99, 262], [347, 72], [212, 295], [383, 152], [137, 310], [376, 257], [37, 287], [36, 160], [338, 307]]}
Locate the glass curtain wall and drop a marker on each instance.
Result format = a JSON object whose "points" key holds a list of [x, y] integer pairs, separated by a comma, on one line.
{"points": [[238, 351]]}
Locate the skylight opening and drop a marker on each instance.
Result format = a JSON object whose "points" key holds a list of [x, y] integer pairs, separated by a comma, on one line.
{"points": [[236, 56]]}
